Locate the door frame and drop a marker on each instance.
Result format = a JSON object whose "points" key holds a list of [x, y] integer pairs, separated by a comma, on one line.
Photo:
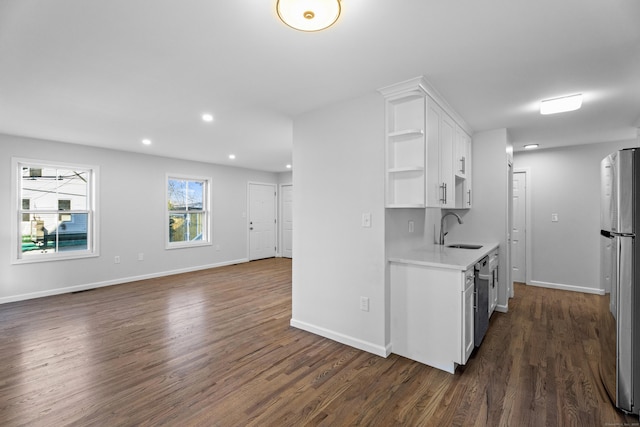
{"points": [[509, 270], [275, 214], [280, 220], [528, 268]]}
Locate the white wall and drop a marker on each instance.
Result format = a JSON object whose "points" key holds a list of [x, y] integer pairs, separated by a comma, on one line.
{"points": [[132, 219], [285, 177], [566, 181], [487, 219], [338, 153]]}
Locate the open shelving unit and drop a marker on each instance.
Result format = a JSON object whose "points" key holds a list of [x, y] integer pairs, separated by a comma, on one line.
{"points": [[405, 149]]}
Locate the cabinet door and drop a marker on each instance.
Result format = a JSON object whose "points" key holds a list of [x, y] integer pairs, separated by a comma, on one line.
{"points": [[440, 157], [447, 141], [467, 322], [468, 192], [493, 293], [461, 155], [434, 191]]}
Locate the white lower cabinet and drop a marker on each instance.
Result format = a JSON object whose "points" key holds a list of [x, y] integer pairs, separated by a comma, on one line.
{"points": [[493, 285], [468, 308], [431, 314]]}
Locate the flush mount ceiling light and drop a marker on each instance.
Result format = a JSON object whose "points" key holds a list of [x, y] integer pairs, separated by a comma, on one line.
{"points": [[531, 146], [308, 15], [207, 117], [146, 141], [561, 105]]}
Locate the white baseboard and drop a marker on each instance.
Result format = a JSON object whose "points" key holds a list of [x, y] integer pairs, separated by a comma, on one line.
{"points": [[119, 281], [344, 339], [563, 287], [502, 308]]}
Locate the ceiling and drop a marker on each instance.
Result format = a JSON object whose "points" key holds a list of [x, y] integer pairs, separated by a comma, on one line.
{"points": [[110, 73]]}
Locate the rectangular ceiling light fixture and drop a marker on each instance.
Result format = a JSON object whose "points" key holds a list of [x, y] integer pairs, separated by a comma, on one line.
{"points": [[561, 105]]}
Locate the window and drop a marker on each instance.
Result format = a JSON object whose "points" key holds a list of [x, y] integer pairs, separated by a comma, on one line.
{"points": [[187, 212], [56, 211]]}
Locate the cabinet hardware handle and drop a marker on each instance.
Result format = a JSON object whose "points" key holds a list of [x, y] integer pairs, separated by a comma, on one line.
{"points": [[469, 202], [463, 165], [445, 192]]}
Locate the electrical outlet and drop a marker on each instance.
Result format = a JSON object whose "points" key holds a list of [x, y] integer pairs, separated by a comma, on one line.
{"points": [[140, 256], [411, 226], [366, 220], [554, 217], [364, 303], [116, 259]]}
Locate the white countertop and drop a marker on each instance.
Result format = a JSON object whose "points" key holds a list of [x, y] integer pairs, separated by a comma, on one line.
{"points": [[443, 257]]}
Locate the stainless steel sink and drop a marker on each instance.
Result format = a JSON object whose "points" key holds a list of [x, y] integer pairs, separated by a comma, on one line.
{"points": [[464, 246]]}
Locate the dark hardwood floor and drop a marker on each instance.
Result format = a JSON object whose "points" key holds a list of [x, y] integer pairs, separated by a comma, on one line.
{"points": [[214, 348]]}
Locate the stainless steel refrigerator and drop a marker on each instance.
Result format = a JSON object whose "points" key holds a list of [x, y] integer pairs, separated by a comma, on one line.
{"points": [[620, 275]]}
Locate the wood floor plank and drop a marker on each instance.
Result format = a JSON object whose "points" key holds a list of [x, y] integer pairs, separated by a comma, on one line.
{"points": [[214, 348]]}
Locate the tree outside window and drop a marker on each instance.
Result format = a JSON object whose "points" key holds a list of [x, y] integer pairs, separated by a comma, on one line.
{"points": [[188, 211]]}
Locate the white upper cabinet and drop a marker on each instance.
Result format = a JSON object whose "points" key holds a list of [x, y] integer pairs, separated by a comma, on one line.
{"points": [[440, 147], [462, 166], [461, 153], [421, 149]]}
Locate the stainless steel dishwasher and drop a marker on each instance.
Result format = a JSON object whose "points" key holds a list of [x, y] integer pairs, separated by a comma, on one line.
{"points": [[484, 279]]}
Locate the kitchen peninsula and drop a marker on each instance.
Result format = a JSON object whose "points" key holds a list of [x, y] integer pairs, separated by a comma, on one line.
{"points": [[433, 300]]}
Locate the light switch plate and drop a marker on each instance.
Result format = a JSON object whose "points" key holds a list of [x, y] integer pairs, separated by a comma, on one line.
{"points": [[554, 217]]}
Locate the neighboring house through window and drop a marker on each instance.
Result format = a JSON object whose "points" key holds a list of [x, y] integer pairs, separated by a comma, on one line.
{"points": [[188, 211], [25, 207], [56, 211]]}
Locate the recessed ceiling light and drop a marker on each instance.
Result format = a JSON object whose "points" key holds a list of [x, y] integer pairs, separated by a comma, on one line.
{"points": [[146, 141], [531, 146], [561, 104], [288, 166], [207, 117], [232, 156]]}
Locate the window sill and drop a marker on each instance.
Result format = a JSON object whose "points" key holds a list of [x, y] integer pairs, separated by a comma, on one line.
{"points": [[53, 257], [187, 245]]}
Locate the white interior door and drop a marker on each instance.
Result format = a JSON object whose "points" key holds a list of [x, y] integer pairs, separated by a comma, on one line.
{"points": [[286, 195], [518, 231], [262, 221]]}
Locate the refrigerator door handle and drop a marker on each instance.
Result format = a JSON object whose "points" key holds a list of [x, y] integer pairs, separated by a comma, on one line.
{"points": [[632, 235], [613, 234]]}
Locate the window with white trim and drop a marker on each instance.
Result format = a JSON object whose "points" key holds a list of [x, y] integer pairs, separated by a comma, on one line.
{"points": [[55, 215], [188, 216]]}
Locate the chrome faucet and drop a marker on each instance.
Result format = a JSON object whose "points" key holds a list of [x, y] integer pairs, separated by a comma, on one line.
{"points": [[442, 233]]}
